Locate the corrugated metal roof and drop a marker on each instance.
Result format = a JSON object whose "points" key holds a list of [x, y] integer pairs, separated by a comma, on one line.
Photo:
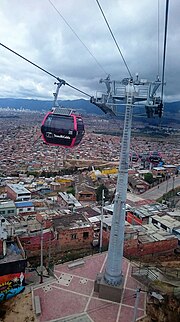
{"points": [[22, 204]]}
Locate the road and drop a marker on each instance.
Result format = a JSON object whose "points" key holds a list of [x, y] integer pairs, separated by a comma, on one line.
{"points": [[156, 193]]}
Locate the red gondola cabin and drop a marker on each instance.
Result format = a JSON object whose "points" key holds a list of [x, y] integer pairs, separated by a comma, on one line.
{"points": [[62, 130]]}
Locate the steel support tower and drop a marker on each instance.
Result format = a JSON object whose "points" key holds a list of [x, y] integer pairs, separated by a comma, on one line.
{"points": [[110, 283], [113, 272]]}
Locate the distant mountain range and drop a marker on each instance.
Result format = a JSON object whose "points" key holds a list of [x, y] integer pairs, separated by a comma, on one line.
{"points": [[171, 110], [41, 105]]}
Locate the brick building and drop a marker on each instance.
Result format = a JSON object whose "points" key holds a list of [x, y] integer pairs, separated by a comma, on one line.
{"points": [[74, 231], [87, 196], [147, 240], [18, 192]]}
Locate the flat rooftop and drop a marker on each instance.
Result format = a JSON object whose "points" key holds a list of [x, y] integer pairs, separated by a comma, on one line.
{"points": [[18, 188], [71, 297], [168, 221], [7, 204], [71, 221]]}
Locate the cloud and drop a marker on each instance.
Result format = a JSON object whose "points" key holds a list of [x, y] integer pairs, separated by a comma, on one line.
{"points": [[35, 30]]}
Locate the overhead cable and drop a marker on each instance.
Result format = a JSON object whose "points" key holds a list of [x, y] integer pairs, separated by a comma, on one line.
{"points": [[74, 32], [158, 31], [45, 71], [164, 49], [114, 39]]}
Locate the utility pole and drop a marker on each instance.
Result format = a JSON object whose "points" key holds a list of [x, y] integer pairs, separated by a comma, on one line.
{"points": [[40, 220], [167, 178], [173, 192], [136, 304], [101, 227], [41, 265]]}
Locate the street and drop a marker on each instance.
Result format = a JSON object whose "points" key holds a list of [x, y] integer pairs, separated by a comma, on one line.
{"points": [[155, 192]]}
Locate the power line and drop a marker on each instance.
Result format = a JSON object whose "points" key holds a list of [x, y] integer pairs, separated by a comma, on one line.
{"points": [[45, 71], [114, 38], [74, 32], [79, 90], [158, 39], [164, 50]]}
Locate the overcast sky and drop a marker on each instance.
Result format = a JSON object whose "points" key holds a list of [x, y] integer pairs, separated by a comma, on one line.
{"points": [[35, 30]]}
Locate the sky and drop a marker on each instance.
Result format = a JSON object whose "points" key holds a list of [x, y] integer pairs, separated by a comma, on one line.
{"points": [[37, 31]]}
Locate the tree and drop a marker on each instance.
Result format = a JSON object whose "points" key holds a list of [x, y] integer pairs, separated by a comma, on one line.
{"points": [[99, 192], [148, 177], [71, 190]]}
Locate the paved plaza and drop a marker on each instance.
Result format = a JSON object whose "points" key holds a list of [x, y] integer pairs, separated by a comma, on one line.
{"points": [[71, 297]]}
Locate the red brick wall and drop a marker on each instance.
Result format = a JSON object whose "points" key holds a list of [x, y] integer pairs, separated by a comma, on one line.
{"points": [[132, 219], [133, 248], [66, 242], [10, 193]]}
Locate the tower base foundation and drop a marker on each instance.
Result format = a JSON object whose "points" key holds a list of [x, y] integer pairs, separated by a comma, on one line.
{"points": [[106, 291]]}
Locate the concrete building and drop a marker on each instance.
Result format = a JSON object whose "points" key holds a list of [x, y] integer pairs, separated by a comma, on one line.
{"points": [[8, 208], [165, 222], [24, 207], [67, 200], [142, 215], [18, 192]]}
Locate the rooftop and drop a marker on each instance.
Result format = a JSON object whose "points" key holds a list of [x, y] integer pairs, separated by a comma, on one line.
{"points": [[168, 221], [71, 221], [69, 199], [24, 204], [7, 204], [18, 188], [152, 233]]}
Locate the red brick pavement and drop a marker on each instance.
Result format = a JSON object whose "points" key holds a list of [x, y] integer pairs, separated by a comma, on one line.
{"points": [[72, 293]]}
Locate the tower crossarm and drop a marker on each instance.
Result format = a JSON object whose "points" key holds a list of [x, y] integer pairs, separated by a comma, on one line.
{"points": [[145, 93]]}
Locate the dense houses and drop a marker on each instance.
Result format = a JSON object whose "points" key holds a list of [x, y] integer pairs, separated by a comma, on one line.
{"points": [[67, 222], [37, 202], [22, 149]]}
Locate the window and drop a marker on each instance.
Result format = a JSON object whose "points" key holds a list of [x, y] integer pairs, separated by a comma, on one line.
{"points": [[154, 221], [163, 226], [11, 211], [20, 209], [73, 236], [28, 209], [2, 212], [85, 235]]}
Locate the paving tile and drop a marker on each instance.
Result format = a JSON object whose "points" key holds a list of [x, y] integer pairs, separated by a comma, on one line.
{"points": [[74, 298]]}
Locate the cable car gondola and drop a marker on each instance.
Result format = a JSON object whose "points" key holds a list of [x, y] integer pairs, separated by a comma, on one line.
{"points": [[155, 157], [62, 129], [134, 157]]}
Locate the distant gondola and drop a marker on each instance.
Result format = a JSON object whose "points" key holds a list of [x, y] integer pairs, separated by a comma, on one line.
{"points": [[62, 130], [155, 157], [134, 157]]}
